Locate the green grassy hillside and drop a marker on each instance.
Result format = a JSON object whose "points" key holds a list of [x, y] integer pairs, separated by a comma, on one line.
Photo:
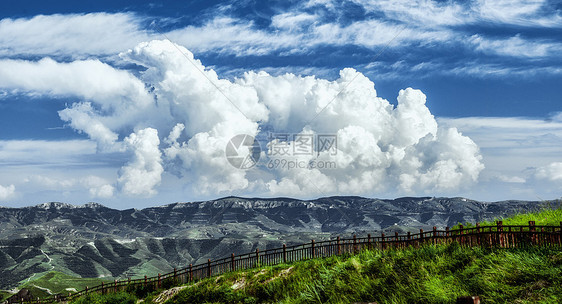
{"points": [[430, 274], [4, 295], [551, 215], [59, 283]]}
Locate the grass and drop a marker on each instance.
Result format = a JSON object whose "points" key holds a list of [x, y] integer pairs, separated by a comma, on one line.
{"points": [[548, 216], [429, 274], [115, 298]]}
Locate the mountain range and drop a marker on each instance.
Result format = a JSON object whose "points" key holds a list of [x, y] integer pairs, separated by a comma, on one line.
{"points": [[92, 240]]}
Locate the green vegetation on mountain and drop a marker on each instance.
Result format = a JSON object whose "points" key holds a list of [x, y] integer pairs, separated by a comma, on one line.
{"points": [[430, 274], [59, 283], [549, 215], [4, 295]]}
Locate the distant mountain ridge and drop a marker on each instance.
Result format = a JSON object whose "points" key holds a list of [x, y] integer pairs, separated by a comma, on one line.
{"points": [[92, 240]]}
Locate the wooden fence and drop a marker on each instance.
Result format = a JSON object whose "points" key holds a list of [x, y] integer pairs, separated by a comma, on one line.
{"points": [[487, 236]]}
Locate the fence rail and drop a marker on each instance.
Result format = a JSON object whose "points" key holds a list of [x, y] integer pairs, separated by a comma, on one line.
{"points": [[512, 236]]}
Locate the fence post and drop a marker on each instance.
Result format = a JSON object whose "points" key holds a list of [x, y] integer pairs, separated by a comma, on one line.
{"points": [[383, 246], [159, 281], [461, 238], [257, 257], [354, 244], [499, 225], [396, 244], [312, 253], [284, 254], [145, 281], [208, 267], [421, 237], [102, 287], [434, 235], [560, 234], [232, 267], [532, 230], [369, 241], [339, 248], [175, 273], [190, 272], [478, 241], [510, 238]]}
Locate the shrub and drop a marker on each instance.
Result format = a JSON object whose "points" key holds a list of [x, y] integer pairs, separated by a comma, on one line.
{"points": [[170, 282], [141, 291]]}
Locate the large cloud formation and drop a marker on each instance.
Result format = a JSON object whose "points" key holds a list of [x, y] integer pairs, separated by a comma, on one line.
{"points": [[177, 116]]}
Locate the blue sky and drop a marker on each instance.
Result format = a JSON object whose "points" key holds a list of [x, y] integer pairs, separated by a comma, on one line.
{"points": [[107, 102]]}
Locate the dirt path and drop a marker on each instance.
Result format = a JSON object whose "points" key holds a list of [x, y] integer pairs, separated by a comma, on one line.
{"points": [[43, 288], [49, 258]]}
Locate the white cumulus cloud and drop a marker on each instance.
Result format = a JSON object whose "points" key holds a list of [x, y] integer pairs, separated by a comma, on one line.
{"points": [[184, 124], [143, 172], [551, 172], [98, 187], [7, 192], [112, 98]]}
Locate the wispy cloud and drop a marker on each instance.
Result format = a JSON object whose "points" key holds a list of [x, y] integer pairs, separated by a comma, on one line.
{"points": [[532, 13], [53, 170], [515, 46], [521, 155], [420, 13], [512, 144], [305, 29], [71, 35], [430, 13], [489, 70]]}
